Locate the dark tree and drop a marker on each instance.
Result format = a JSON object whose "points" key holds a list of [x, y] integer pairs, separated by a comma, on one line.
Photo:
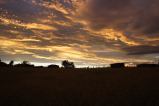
{"points": [[2, 64], [11, 63], [67, 64], [24, 64], [118, 65], [53, 66]]}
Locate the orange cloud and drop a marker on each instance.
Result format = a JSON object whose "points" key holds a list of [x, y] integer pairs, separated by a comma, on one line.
{"points": [[26, 25]]}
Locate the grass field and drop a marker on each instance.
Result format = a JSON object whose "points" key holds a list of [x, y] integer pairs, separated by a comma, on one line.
{"points": [[79, 87]]}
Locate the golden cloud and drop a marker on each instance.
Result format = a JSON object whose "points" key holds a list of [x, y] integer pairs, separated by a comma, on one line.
{"points": [[7, 21]]}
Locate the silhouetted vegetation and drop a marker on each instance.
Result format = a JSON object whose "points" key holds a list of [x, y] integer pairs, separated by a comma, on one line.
{"points": [[118, 65], [67, 64], [24, 64], [53, 66], [2, 64], [11, 63], [70, 65]]}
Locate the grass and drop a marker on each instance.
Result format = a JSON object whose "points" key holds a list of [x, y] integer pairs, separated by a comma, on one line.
{"points": [[79, 87]]}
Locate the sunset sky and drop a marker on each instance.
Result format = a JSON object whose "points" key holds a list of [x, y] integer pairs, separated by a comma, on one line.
{"points": [[87, 32]]}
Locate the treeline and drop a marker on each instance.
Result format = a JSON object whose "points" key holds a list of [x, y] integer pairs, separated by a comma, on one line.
{"points": [[70, 65], [26, 64]]}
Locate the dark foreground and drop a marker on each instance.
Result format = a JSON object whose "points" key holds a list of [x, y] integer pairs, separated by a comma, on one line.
{"points": [[113, 87]]}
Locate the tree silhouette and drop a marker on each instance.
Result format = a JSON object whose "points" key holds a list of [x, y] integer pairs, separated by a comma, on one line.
{"points": [[25, 62], [53, 66], [67, 64], [2, 64], [11, 63], [118, 65]]}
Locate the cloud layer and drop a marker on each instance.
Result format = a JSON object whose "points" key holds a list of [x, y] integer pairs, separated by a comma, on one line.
{"points": [[135, 16], [88, 32]]}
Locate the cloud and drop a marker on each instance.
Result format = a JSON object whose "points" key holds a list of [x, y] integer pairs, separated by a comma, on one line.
{"points": [[22, 9], [137, 16], [142, 50], [85, 31], [133, 22]]}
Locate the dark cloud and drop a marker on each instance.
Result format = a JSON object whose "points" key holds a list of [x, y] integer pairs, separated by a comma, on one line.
{"points": [[142, 50], [136, 16], [21, 9]]}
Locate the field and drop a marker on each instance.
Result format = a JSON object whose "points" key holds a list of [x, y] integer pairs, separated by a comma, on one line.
{"points": [[79, 87]]}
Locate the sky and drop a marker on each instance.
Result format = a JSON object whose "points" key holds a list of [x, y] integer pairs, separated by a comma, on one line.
{"points": [[87, 32]]}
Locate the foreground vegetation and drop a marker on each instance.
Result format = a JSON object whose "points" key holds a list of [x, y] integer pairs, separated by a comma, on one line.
{"points": [[79, 87]]}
